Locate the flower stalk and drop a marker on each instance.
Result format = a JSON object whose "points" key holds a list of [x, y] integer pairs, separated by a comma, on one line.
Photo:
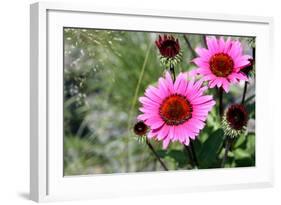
{"points": [[172, 71], [220, 92], [155, 154], [190, 156], [227, 147], [244, 93], [194, 154]]}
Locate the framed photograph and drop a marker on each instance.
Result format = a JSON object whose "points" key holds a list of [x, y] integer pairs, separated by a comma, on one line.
{"points": [[130, 102]]}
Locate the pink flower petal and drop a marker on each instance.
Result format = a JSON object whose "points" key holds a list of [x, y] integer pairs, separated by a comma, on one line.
{"points": [[241, 63], [178, 81], [204, 71], [240, 76], [166, 142], [221, 44], [232, 78], [154, 123], [225, 86], [151, 134], [236, 49], [201, 63], [150, 93], [202, 99], [193, 136], [163, 86], [212, 83], [212, 44], [228, 45], [148, 110], [171, 134], [187, 141], [203, 53], [169, 82], [182, 87], [196, 123], [147, 101], [163, 132]]}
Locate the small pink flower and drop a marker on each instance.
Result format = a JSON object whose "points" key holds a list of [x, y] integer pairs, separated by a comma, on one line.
{"points": [[175, 111], [221, 62]]}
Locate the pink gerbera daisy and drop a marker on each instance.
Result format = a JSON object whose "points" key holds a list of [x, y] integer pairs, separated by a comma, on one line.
{"points": [[175, 111], [221, 62]]}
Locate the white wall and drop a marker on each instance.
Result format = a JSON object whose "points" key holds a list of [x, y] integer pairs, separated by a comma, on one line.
{"points": [[14, 101]]}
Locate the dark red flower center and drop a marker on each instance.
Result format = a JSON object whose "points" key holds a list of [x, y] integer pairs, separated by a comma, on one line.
{"points": [[168, 46], [237, 116], [175, 110], [140, 128], [221, 64]]}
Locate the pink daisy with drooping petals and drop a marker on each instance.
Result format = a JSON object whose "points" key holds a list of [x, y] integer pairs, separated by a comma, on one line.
{"points": [[175, 111], [221, 62]]}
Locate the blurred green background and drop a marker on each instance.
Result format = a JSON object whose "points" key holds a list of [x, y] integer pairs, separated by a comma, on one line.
{"points": [[102, 82]]}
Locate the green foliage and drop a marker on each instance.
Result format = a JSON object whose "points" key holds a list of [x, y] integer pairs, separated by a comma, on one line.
{"points": [[210, 149], [178, 156]]}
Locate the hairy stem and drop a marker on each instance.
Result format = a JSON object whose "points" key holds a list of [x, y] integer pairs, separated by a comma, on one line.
{"points": [[204, 40], [189, 154], [194, 154], [227, 147], [220, 92], [172, 71], [244, 92], [156, 155]]}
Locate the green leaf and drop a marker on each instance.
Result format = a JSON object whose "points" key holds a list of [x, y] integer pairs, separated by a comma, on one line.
{"points": [[210, 148], [240, 154], [241, 139], [229, 153], [245, 155], [178, 155], [250, 146], [251, 108], [161, 153], [249, 99]]}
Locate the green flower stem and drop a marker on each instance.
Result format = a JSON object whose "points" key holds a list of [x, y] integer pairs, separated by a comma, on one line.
{"points": [[193, 53], [204, 40], [227, 143], [172, 71], [244, 92], [191, 155], [220, 92], [227, 147], [156, 155], [194, 155]]}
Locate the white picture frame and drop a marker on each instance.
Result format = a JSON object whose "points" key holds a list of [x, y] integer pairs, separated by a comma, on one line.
{"points": [[47, 182]]}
